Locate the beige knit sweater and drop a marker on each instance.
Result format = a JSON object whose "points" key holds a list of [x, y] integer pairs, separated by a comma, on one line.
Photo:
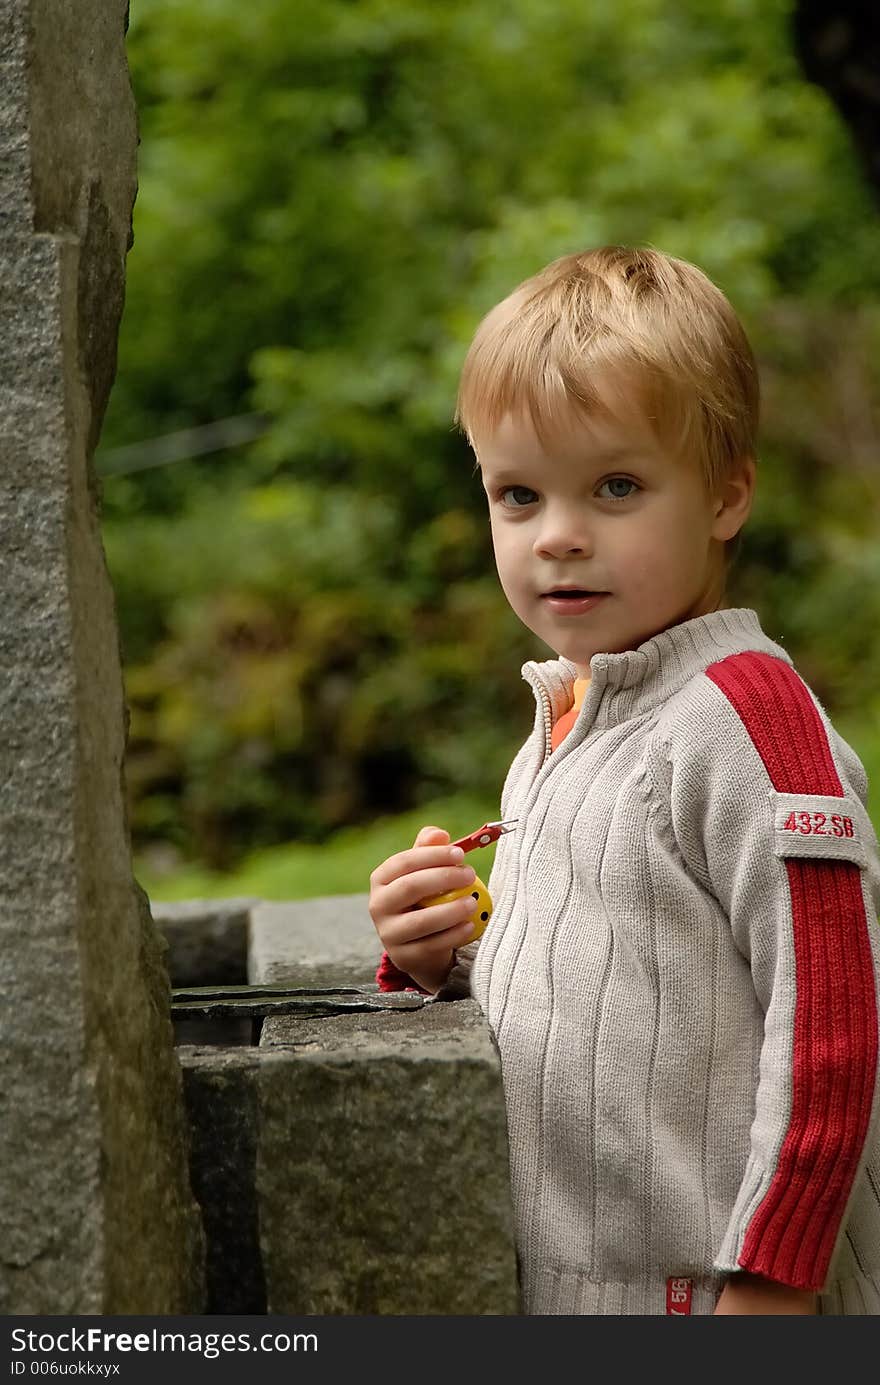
{"points": [[680, 974]]}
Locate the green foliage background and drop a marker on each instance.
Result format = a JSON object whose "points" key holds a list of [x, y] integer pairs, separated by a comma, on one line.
{"points": [[331, 195]]}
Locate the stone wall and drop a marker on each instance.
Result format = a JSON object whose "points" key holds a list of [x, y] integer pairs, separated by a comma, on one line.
{"points": [[96, 1213], [352, 1163]]}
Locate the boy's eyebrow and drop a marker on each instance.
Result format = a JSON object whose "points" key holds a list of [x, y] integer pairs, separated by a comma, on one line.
{"points": [[608, 456], [502, 473]]}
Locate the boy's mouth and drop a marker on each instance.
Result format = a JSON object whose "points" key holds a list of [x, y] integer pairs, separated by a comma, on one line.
{"points": [[572, 601], [573, 593]]}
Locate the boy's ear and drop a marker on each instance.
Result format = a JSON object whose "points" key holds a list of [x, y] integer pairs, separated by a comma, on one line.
{"points": [[734, 500]]}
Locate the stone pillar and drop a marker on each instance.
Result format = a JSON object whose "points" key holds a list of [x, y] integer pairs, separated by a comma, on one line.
{"points": [[96, 1211]]}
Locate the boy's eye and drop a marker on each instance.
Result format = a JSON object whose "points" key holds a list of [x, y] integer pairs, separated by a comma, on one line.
{"points": [[515, 497], [615, 483]]}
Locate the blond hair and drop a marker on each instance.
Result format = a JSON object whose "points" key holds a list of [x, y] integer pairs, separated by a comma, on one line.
{"points": [[655, 322]]}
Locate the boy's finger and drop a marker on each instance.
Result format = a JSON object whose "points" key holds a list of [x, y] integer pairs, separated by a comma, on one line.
{"points": [[405, 892], [431, 836], [431, 923], [416, 858], [409, 889]]}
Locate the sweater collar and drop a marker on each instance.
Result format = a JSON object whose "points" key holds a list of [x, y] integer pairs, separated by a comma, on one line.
{"points": [[633, 682]]}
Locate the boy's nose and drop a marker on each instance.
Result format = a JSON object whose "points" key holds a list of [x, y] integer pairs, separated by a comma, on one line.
{"points": [[563, 536]]}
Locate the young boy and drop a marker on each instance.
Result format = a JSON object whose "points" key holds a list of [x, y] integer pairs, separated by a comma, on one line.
{"points": [[680, 971]]}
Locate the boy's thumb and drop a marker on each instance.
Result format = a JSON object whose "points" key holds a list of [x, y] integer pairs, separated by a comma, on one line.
{"points": [[431, 836]]}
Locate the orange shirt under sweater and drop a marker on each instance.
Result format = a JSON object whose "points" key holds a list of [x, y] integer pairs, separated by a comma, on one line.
{"points": [[562, 727]]}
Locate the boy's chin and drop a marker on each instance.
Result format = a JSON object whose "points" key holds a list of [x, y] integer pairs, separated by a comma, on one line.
{"points": [[581, 655]]}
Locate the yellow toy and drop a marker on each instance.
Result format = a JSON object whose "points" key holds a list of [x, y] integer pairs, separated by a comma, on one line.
{"points": [[482, 907]]}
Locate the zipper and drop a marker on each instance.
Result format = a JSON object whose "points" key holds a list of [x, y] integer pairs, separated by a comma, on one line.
{"points": [[537, 686], [548, 724]]}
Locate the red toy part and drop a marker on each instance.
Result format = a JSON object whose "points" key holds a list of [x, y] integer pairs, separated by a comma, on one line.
{"points": [[485, 835]]}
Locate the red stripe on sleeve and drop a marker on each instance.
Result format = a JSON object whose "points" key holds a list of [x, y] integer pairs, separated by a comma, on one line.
{"points": [[793, 1231]]}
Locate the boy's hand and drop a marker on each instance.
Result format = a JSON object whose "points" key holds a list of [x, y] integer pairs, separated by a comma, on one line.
{"points": [[422, 941], [750, 1295]]}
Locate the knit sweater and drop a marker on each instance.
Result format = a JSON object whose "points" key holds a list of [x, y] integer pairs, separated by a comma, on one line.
{"points": [[681, 975]]}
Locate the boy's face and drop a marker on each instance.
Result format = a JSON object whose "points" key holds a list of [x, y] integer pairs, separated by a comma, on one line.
{"points": [[605, 509]]}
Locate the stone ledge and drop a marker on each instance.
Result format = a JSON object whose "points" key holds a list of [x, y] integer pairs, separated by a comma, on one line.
{"points": [[329, 941], [393, 1194]]}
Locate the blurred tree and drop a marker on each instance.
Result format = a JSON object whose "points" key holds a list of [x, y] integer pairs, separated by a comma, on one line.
{"points": [[330, 197], [839, 47]]}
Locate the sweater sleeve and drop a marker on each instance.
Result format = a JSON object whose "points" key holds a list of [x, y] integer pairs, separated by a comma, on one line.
{"points": [[773, 824]]}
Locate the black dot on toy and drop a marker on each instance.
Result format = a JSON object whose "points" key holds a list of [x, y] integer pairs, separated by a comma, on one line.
{"points": [[484, 916], [475, 895]]}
